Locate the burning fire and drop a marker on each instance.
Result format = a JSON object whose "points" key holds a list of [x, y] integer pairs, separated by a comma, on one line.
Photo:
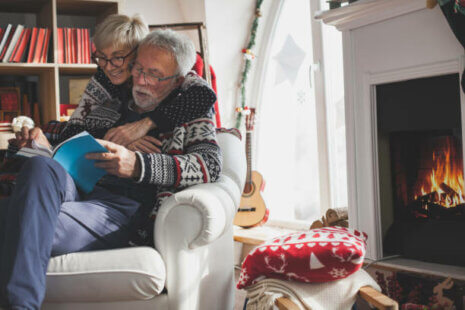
{"points": [[445, 185]]}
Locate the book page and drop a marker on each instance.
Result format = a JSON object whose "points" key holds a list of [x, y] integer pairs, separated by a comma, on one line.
{"points": [[34, 150]]}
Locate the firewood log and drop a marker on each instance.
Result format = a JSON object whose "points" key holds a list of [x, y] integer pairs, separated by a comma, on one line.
{"points": [[448, 190], [337, 214]]}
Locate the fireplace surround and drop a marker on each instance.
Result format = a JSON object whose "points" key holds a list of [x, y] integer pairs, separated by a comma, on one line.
{"points": [[387, 42]]}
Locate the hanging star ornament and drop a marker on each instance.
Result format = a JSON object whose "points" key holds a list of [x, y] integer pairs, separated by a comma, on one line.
{"points": [[290, 59]]}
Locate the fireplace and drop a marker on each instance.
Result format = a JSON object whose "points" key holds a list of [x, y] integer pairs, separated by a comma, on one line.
{"points": [[394, 127], [421, 164]]}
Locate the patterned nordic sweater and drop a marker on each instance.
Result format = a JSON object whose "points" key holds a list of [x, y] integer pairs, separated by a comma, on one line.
{"points": [[190, 155], [193, 99]]}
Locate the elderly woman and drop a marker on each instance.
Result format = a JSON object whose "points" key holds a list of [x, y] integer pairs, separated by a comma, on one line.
{"points": [[107, 95]]}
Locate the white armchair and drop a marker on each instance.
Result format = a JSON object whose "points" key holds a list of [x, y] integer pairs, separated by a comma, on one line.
{"points": [[192, 267]]}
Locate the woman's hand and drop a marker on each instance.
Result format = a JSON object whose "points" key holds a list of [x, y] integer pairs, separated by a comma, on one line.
{"points": [[128, 133], [146, 144], [117, 161], [26, 135]]}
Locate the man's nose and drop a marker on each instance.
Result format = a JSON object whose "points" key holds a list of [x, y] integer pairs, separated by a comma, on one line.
{"points": [[139, 79]]}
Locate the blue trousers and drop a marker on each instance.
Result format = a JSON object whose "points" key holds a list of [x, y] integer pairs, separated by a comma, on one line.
{"points": [[47, 216]]}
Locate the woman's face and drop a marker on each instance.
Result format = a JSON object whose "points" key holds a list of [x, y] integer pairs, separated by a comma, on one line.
{"points": [[115, 63]]}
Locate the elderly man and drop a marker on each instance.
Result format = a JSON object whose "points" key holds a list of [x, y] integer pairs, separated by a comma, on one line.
{"points": [[47, 215]]}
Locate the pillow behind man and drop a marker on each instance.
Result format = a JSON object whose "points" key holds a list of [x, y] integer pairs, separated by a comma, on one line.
{"points": [[318, 255]]}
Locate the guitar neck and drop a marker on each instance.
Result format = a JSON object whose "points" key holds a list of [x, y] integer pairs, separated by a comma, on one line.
{"points": [[248, 152]]}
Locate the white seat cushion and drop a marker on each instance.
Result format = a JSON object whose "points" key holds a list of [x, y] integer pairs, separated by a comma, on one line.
{"points": [[136, 273]]}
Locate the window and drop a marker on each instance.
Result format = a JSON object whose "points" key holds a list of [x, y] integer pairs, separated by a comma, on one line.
{"points": [[300, 136]]}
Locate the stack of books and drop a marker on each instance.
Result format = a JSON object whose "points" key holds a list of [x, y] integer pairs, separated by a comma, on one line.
{"points": [[74, 46], [5, 127], [21, 44]]}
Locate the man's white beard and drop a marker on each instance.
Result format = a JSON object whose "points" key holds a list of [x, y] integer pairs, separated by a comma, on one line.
{"points": [[146, 105]]}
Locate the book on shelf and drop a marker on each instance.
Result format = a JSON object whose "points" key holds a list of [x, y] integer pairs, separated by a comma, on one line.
{"points": [[60, 48], [2, 32], [79, 46], [5, 37], [12, 43], [44, 52], [73, 45], [86, 46], [16, 45], [39, 45], [32, 45], [20, 51], [70, 154]]}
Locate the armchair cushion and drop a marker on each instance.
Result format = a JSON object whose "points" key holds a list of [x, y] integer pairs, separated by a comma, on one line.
{"points": [[136, 273]]}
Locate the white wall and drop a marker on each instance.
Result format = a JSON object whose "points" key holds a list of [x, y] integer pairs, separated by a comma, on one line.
{"points": [[228, 27], [154, 11], [228, 23]]}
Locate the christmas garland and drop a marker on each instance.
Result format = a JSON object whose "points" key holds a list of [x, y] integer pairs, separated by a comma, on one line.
{"points": [[248, 56]]}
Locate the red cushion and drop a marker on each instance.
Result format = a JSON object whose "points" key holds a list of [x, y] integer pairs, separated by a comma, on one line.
{"points": [[318, 255]]}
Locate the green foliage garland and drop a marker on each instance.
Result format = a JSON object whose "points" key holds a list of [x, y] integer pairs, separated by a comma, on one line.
{"points": [[248, 56]]}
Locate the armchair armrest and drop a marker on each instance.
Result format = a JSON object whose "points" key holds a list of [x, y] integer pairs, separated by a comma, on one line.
{"points": [[198, 215]]}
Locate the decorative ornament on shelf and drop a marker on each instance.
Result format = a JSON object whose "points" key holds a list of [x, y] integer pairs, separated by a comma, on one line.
{"points": [[248, 57]]}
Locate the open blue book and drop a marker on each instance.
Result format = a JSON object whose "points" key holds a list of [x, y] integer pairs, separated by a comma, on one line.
{"points": [[70, 154]]}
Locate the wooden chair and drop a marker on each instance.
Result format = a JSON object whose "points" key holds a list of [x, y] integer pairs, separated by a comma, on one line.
{"points": [[372, 296]]}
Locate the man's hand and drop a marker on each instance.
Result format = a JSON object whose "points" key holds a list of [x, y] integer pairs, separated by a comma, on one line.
{"points": [[26, 135], [146, 144], [118, 161], [130, 132]]}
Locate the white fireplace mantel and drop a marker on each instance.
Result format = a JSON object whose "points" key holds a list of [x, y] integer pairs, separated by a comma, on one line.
{"points": [[384, 41], [365, 12]]}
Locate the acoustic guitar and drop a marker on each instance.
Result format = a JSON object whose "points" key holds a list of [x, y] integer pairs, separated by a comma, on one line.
{"points": [[252, 209]]}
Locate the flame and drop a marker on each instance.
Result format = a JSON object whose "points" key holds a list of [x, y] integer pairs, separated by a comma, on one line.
{"points": [[445, 182]]}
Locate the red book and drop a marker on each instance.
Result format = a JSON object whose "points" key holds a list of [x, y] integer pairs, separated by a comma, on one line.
{"points": [[30, 55], [2, 32], [78, 46], [68, 45], [61, 51], [87, 46], [39, 45], [22, 46], [10, 35], [73, 46], [18, 42], [65, 45], [44, 52]]}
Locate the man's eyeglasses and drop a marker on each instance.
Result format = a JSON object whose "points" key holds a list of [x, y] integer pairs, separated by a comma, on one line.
{"points": [[116, 61], [150, 78]]}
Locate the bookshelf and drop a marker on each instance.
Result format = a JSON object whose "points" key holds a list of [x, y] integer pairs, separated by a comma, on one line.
{"points": [[53, 14]]}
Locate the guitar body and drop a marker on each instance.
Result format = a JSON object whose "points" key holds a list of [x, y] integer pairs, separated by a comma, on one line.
{"points": [[252, 210]]}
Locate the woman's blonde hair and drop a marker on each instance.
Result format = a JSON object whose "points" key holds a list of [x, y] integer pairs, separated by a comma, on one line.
{"points": [[120, 31]]}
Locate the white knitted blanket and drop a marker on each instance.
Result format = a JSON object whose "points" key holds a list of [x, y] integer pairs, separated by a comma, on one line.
{"points": [[335, 295]]}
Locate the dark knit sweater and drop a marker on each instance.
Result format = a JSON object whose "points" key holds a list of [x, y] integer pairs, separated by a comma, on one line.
{"points": [[102, 104]]}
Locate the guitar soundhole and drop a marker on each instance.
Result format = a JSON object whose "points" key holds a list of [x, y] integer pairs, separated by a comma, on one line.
{"points": [[247, 209], [249, 189]]}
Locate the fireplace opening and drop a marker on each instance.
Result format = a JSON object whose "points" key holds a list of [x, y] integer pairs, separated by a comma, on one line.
{"points": [[428, 175], [420, 161]]}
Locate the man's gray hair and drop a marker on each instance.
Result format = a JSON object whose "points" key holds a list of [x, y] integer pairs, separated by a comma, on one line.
{"points": [[180, 46]]}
